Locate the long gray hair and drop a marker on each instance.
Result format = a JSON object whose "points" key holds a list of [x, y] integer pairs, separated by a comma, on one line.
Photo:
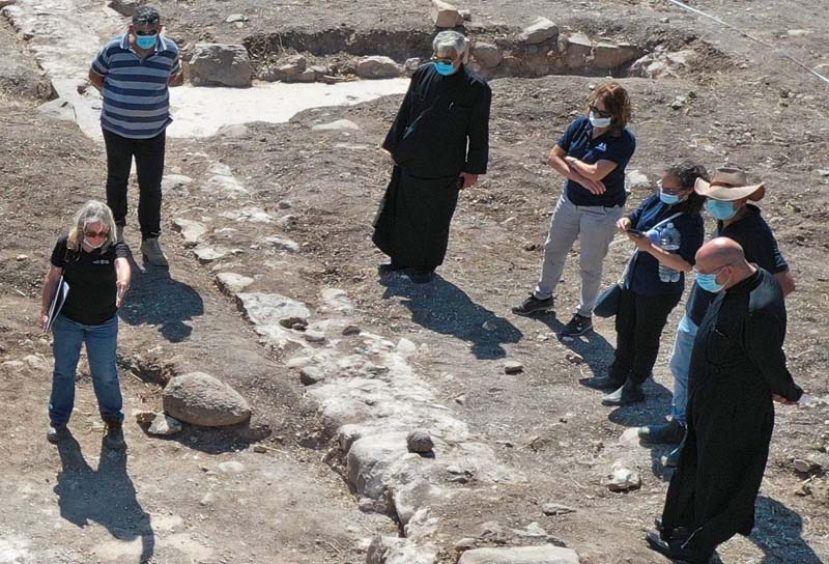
{"points": [[91, 212]]}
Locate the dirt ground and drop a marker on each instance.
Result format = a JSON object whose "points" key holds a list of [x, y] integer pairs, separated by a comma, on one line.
{"points": [[176, 501]]}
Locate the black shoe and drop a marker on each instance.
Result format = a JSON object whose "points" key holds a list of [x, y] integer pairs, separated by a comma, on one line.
{"points": [[673, 549], [419, 276], [114, 438], [533, 305], [56, 433], [627, 394], [672, 458], [602, 383], [578, 326], [670, 433], [389, 267]]}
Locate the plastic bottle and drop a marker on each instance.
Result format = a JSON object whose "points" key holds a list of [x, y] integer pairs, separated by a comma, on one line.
{"points": [[669, 241]]}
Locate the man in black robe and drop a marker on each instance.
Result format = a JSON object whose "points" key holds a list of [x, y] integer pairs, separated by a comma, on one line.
{"points": [[737, 368], [439, 143]]}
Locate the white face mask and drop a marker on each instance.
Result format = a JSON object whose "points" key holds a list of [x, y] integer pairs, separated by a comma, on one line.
{"points": [[93, 246], [597, 121]]}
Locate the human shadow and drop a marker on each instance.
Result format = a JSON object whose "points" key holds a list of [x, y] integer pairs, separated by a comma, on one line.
{"points": [[105, 496], [778, 533], [155, 298], [442, 307], [592, 348]]}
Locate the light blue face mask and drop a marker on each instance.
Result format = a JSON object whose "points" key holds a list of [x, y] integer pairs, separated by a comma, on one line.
{"points": [[146, 41], [669, 199], [722, 211], [597, 121], [445, 69], [708, 282]]}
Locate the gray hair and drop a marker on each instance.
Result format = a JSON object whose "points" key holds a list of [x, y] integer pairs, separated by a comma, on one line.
{"points": [[451, 41], [91, 212]]}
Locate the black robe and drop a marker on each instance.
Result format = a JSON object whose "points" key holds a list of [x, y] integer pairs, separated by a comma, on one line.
{"points": [[737, 364], [441, 130]]}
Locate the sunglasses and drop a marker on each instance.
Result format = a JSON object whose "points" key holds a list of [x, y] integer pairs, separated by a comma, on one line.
{"points": [[96, 234], [443, 60], [144, 32], [600, 113]]}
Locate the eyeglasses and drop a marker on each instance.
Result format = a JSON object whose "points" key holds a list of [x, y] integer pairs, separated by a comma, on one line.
{"points": [[146, 32], [600, 113], [443, 60], [674, 190], [96, 234]]}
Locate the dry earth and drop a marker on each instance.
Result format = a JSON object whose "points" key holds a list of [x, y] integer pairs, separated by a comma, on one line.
{"points": [[178, 500]]}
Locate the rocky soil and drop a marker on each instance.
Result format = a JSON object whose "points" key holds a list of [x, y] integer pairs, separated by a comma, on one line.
{"points": [[272, 289]]}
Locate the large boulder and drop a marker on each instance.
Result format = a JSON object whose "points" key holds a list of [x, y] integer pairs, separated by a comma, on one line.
{"points": [[201, 399], [445, 15], [660, 64], [377, 67], [394, 550], [545, 554], [539, 31], [612, 55], [215, 64], [578, 48], [487, 54]]}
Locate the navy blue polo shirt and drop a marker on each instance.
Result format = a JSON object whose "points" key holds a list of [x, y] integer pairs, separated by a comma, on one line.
{"points": [[757, 240], [136, 89], [643, 273], [578, 142]]}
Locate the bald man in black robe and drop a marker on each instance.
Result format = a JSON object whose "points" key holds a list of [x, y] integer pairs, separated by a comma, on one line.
{"points": [[737, 368], [440, 144]]}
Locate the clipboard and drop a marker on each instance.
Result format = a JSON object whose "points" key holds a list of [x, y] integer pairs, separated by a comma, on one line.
{"points": [[61, 291]]}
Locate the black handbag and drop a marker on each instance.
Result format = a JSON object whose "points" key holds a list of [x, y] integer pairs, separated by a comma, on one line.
{"points": [[608, 303]]}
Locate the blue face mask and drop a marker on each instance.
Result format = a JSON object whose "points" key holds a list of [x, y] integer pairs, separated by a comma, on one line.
{"points": [[708, 282], [722, 211], [146, 41], [669, 199], [445, 69]]}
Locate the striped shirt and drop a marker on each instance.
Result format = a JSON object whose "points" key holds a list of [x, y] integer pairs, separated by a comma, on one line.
{"points": [[136, 92]]}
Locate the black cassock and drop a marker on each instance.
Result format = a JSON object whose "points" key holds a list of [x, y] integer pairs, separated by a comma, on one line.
{"points": [[441, 130], [736, 365]]}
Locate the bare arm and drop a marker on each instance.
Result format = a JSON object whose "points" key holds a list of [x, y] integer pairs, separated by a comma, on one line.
{"points": [[562, 166], [786, 281], [96, 79], [596, 171], [50, 284], [123, 274], [667, 258], [176, 79]]}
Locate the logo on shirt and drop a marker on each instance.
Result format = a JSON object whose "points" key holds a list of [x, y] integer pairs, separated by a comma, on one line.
{"points": [[601, 147], [101, 261]]}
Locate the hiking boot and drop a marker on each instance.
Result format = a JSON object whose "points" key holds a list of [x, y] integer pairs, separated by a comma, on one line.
{"points": [[626, 395], [56, 433], [114, 438], [389, 267], [419, 276], [671, 432], [602, 383], [153, 253], [577, 326], [533, 305]]}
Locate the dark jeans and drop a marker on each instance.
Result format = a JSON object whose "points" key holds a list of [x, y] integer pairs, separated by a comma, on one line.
{"points": [[149, 164], [639, 325]]}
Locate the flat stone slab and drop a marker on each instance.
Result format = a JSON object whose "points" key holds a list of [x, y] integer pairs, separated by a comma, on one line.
{"points": [[546, 554]]}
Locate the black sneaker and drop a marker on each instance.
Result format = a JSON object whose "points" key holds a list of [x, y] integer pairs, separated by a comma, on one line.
{"points": [[389, 266], [671, 432], [114, 438], [603, 383], [577, 327], [419, 276], [533, 305], [626, 395], [56, 433]]}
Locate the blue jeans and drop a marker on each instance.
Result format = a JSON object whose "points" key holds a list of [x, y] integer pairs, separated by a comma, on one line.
{"points": [[101, 344], [681, 367]]}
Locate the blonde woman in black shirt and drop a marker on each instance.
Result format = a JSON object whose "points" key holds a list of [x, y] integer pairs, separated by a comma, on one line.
{"points": [[95, 267]]}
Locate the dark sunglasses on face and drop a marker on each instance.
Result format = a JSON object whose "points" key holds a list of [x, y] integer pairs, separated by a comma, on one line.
{"points": [[146, 32], [443, 60], [600, 113], [96, 234]]}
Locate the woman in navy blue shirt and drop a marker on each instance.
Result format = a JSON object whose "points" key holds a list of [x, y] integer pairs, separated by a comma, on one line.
{"points": [[646, 299]]}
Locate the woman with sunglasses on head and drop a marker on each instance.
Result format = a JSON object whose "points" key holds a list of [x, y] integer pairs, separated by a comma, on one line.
{"points": [[95, 266], [592, 155], [655, 278]]}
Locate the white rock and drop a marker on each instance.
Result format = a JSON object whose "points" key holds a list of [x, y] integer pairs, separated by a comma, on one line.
{"points": [[270, 309], [487, 54], [231, 467], [231, 283], [310, 375], [445, 15], [406, 347], [200, 399], [545, 554], [338, 125], [190, 230], [369, 462], [224, 187], [281, 244], [611, 55], [37, 361], [175, 183], [235, 130], [164, 425], [637, 180], [623, 478], [233, 18], [207, 255], [539, 31], [337, 299], [377, 67], [394, 550], [215, 64]]}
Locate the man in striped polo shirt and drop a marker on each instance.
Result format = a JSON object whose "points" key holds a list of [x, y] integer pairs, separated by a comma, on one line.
{"points": [[134, 72]]}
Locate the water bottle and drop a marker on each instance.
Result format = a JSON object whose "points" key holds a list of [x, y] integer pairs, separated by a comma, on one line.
{"points": [[669, 241]]}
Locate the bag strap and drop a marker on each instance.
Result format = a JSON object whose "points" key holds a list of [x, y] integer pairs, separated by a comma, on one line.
{"points": [[667, 219], [623, 279]]}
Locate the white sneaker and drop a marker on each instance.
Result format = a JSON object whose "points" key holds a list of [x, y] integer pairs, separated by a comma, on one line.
{"points": [[153, 253]]}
